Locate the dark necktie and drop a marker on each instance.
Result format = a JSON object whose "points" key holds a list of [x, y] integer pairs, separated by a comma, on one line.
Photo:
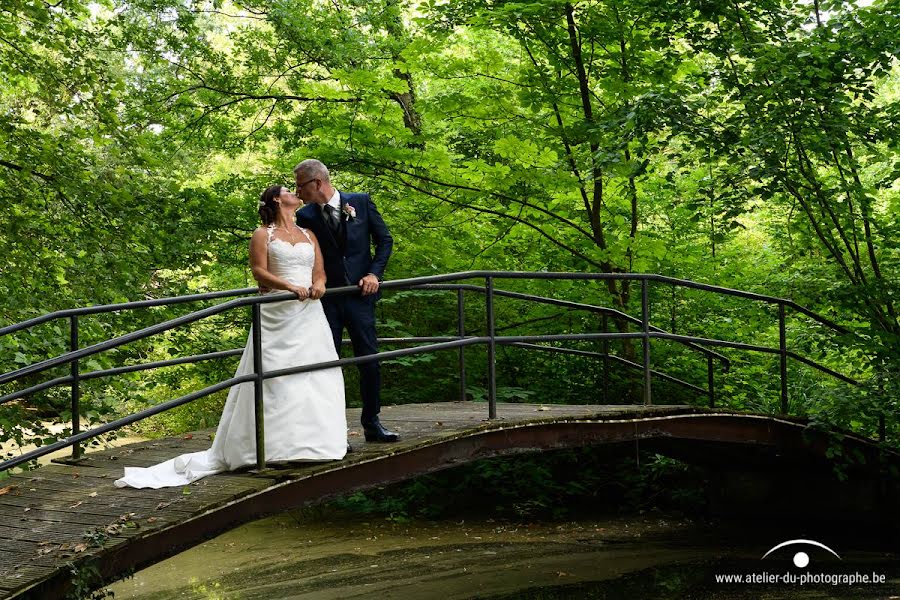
{"points": [[331, 217]]}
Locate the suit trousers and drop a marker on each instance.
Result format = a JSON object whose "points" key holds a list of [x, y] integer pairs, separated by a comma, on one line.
{"points": [[357, 314]]}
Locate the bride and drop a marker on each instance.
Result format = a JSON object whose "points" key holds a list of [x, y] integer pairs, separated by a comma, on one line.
{"points": [[304, 412]]}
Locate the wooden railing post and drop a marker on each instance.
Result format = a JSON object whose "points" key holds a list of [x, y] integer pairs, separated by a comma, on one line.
{"points": [[76, 385], [782, 353], [259, 408], [461, 331], [645, 324], [492, 349]]}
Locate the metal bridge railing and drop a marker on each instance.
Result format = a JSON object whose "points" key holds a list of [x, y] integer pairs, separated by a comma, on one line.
{"points": [[431, 344]]}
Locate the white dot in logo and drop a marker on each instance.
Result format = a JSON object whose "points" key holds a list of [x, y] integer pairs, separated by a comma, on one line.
{"points": [[801, 559]]}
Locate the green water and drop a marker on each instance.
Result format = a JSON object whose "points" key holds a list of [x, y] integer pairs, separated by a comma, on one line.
{"points": [[324, 554]]}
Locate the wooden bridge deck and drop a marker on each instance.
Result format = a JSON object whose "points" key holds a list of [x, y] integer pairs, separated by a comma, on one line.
{"points": [[60, 513]]}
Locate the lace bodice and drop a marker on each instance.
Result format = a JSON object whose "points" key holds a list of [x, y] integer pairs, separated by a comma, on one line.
{"points": [[293, 262]]}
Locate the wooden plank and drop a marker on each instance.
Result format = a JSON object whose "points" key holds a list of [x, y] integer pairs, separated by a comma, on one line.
{"points": [[56, 498], [72, 535], [68, 483], [40, 567], [9, 558], [106, 505], [57, 484], [21, 577], [26, 553], [84, 473], [60, 532], [102, 503], [54, 552], [19, 536], [11, 545], [101, 514], [93, 480], [98, 516], [51, 556], [65, 481], [147, 457], [48, 530], [128, 500]]}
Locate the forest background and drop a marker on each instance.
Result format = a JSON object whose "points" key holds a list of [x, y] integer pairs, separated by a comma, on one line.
{"points": [[747, 144]]}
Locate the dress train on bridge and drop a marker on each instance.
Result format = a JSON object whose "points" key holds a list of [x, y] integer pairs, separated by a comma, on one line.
{"points": [[304, 413]]}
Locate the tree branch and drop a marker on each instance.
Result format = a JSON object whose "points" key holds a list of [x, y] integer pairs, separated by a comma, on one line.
{"points": [[467, 188], [16, 167], [477, 208]]}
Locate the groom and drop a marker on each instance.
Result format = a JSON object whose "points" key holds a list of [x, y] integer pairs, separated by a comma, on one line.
{"points": [[346, 226]]}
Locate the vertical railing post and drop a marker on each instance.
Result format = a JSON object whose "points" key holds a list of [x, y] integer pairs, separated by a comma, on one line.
{"points": [[645, 325], [882, 424], [76, 385], [710, 381], [604, 377], [461, 331], [259, 409], [492, 349], [782, 353]]}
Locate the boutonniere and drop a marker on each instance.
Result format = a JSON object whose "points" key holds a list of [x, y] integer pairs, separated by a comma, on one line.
{"points": [[349, 211]]}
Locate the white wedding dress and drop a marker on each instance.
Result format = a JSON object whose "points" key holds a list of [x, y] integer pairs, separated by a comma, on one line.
{"points": [[304, 413]]}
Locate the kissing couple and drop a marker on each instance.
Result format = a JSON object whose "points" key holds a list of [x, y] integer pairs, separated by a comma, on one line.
{"points": [[311, 239]]}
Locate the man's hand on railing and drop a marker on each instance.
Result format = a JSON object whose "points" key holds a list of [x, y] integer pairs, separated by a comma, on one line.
{"points": [[369, 284], [317, 290]]}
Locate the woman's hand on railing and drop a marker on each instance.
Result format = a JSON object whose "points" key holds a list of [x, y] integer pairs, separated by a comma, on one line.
{"points": [[302, 293]]}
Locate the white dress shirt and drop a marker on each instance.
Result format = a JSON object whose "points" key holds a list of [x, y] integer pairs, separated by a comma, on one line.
{"points": [[335, 201]]}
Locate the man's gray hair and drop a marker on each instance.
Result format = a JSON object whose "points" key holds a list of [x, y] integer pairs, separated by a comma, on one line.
{"points": [[312, 168]]}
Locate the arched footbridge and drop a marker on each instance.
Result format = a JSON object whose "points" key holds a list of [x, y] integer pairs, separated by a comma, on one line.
{"points": [[65, 518], [59, 515]]}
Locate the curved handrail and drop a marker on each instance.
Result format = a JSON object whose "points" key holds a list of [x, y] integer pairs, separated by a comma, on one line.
{"points": [[169, 404], [421, 283], [144, 333], [104, 308], [410, 283], [574, 305], [397, 283], [203, 313]]}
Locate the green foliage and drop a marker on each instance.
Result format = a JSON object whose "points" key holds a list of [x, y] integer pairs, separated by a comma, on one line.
{"points": [[748, 145], [554, 485], [86, 582]]}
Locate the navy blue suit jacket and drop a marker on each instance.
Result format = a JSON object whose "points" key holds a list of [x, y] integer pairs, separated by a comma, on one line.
{"points": [[348, 256]]}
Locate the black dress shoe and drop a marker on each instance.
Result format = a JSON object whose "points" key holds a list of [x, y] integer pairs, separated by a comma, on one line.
{"points": [[375, 432], [349, 448]]}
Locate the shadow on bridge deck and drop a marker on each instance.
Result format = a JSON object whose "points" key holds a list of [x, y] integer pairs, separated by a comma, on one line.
{"points": [[61, 513]]}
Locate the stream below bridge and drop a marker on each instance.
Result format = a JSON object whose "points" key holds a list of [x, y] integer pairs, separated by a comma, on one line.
{"points": [[324, 553]]}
